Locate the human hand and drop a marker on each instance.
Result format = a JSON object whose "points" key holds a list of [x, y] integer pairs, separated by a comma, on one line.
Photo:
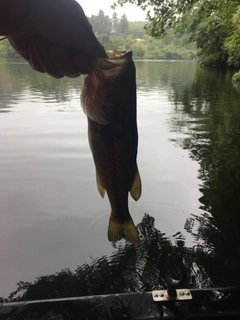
{"points": [[55, 37]]}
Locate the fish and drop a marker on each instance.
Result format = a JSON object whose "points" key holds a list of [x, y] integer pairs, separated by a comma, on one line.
{"points": [[108, 99]]}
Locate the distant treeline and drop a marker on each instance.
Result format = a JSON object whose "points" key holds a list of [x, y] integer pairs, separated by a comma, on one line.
{"points": [[213, 25], [117, 33]]}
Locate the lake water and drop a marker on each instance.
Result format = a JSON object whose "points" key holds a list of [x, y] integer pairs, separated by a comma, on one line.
{"points": [[53, 229]]}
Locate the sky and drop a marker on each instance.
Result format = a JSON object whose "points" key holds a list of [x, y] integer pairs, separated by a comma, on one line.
{"points": [[132, 12]]}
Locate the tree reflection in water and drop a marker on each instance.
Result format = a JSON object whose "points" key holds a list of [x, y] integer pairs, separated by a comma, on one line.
{"points": [[131, 268], [209, 110]]}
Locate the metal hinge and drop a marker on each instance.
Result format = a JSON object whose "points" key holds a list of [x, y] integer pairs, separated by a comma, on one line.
{"points": [[162, 295]]}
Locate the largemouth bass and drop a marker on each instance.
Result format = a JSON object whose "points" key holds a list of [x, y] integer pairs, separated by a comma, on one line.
{"points": [[109, 100]]}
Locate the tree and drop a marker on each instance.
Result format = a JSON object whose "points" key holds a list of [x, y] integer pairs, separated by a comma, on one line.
{"points": [[232, 43], [137, 29], [208, 23], [161, 14], [6, 50], [101, 23], [138, 50], [115, 23], [123, 25]]}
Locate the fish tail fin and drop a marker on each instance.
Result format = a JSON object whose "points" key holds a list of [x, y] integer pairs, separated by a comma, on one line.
{"points": [[130, 231], [126, 230]]}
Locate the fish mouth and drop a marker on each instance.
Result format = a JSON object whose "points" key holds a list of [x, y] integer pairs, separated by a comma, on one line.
{"points": [[112, 67], [115, 54], [106, 85]]}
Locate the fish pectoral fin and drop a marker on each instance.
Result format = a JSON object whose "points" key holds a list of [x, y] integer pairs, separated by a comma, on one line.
{"points": [[126, 230], [99, 186], [136, 188]]}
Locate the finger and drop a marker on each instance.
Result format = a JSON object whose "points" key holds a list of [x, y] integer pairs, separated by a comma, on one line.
{"points": [[75, 33], [63, 62], [94, 49], [81, 64], [41, 49], [33, 58]]}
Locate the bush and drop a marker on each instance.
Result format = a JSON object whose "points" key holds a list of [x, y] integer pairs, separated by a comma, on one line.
{"points": [[232, 43], [236, 76]]}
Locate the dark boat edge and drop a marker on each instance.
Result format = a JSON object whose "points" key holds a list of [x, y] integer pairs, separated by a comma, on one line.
{"points": [[211, 303]]}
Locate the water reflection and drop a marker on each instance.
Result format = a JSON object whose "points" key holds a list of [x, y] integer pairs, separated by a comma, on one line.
{"points": [[131, 268], [209, 109], [17, 83], [194, 109]]}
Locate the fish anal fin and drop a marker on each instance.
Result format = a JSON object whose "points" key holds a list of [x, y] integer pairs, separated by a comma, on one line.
{"points": [[136, 188], [99, 186], [126, 230]]}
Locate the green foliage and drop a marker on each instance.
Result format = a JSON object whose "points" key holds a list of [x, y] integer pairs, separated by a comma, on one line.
{"points": [[138, 50], [161, 14], [123, 25], [236, 76], [101, 23], [232, 43], [104, 40], [119, 34], [209, 38], [208, 27], [115, 22], [212, 24], [6, 50], [136, 28], [147, 48]]}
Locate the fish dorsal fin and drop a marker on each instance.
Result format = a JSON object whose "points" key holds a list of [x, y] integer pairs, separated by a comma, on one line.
{"points": [[99, 186], [136, 188]]}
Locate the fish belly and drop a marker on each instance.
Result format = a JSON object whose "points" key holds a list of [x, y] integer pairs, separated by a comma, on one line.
{"points": [[114, 154]]}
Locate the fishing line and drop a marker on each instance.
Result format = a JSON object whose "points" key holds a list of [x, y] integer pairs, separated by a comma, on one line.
{"points": [[3, 38]]}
